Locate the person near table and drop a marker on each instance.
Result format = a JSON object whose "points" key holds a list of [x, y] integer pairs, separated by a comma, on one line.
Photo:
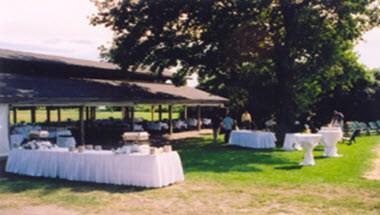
{"points": [[337, 119], [271, 123], [228, 124], [246, 120], [216, 121], [310, 121]]}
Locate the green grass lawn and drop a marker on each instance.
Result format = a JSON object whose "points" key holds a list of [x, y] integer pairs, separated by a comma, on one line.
{"points": [[24, 115], [223, 180]]}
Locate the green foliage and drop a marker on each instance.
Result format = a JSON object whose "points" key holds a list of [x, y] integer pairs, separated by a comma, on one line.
{"points": [[271, 56]]}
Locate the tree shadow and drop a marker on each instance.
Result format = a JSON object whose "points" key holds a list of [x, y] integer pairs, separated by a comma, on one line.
{"points": [[320, 157], [16, 184], [218, 158], [291, 167]]}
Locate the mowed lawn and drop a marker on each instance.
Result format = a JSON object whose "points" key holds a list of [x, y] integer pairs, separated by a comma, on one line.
{"points": [[73, 114], [219, 180]]}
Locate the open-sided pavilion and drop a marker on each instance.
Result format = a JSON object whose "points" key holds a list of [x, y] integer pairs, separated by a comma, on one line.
{"points": [[29, 80]]}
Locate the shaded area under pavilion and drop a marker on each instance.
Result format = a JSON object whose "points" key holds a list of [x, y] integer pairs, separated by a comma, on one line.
{"points": [[28, 81]]}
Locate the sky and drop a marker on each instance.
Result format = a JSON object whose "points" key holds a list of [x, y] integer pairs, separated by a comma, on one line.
{"points": [[61, 27]]}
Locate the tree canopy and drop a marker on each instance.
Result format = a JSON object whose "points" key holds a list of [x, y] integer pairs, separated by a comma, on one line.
{"points": [[277, 56]]}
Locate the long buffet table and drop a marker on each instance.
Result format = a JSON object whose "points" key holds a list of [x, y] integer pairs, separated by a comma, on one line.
{"points": [[135, 169]]}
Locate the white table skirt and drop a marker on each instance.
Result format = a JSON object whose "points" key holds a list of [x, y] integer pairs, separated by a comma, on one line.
{"points": [[98, 166], [291, 143], [308, 142], [329, 139], [16, 140], [253, 139]]}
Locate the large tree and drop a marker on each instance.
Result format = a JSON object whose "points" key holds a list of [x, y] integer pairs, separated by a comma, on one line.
{"points": [[271, 56]]}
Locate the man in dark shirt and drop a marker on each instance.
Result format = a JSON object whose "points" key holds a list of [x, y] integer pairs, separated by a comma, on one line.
{"points": [[216, 121], [337, 119]]}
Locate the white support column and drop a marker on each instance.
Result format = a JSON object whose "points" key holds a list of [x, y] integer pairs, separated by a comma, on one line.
{"points": [[4, 130]]}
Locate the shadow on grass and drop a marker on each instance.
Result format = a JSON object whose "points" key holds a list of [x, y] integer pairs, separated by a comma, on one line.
{"points": [[218, 158], [291, 167], [320, 157], [15, 184]]}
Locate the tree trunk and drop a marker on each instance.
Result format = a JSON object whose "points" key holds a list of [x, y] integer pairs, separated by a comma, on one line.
{"points": [[286, 112]]}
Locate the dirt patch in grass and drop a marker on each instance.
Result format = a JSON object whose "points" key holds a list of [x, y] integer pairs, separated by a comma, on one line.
{"points": [[38, 210], [213, 198], [374, 172]]}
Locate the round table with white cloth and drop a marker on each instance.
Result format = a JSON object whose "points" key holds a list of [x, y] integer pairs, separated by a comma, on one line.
{"points": [[253, 139], [330, 128], [290, 143], [308, 142], [135, 169], [329, 139]]}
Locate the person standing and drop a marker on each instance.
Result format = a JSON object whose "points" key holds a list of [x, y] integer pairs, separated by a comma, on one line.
{"points": [[228, 124], [246, 120], [216, 121], [271, 123], [337, 119], [310, 121]]}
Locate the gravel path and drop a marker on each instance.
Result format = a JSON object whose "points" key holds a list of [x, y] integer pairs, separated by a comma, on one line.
{"points": [[374, 173]]}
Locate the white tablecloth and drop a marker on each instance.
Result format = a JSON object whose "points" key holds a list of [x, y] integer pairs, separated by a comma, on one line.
{"points": [[308, 142], [16, 140], [331, 128], [157, 126], [135, 136], [98, 166], [180, 124], [253, 139], [291, 143], [329, 139], [66, 142]]}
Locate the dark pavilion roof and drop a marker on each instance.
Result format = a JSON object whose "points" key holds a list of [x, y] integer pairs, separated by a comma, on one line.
{"points": [[26, 62], [29, 80]]}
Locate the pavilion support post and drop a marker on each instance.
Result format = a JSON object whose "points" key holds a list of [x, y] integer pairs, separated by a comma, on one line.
{"points": [[93, 113], [199, 118], [81, 125], [152, 112], [14, 115], [125, 113], [132, 117], [33, 114], [160, 112], [48, 114], [87, 113], [185, 116], [59, 115], [170, 109]]}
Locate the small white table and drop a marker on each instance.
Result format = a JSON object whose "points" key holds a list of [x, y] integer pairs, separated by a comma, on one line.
{"points": [[253, 139], [290, 143], [329, 139], [308, 142], [135, 136]]}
